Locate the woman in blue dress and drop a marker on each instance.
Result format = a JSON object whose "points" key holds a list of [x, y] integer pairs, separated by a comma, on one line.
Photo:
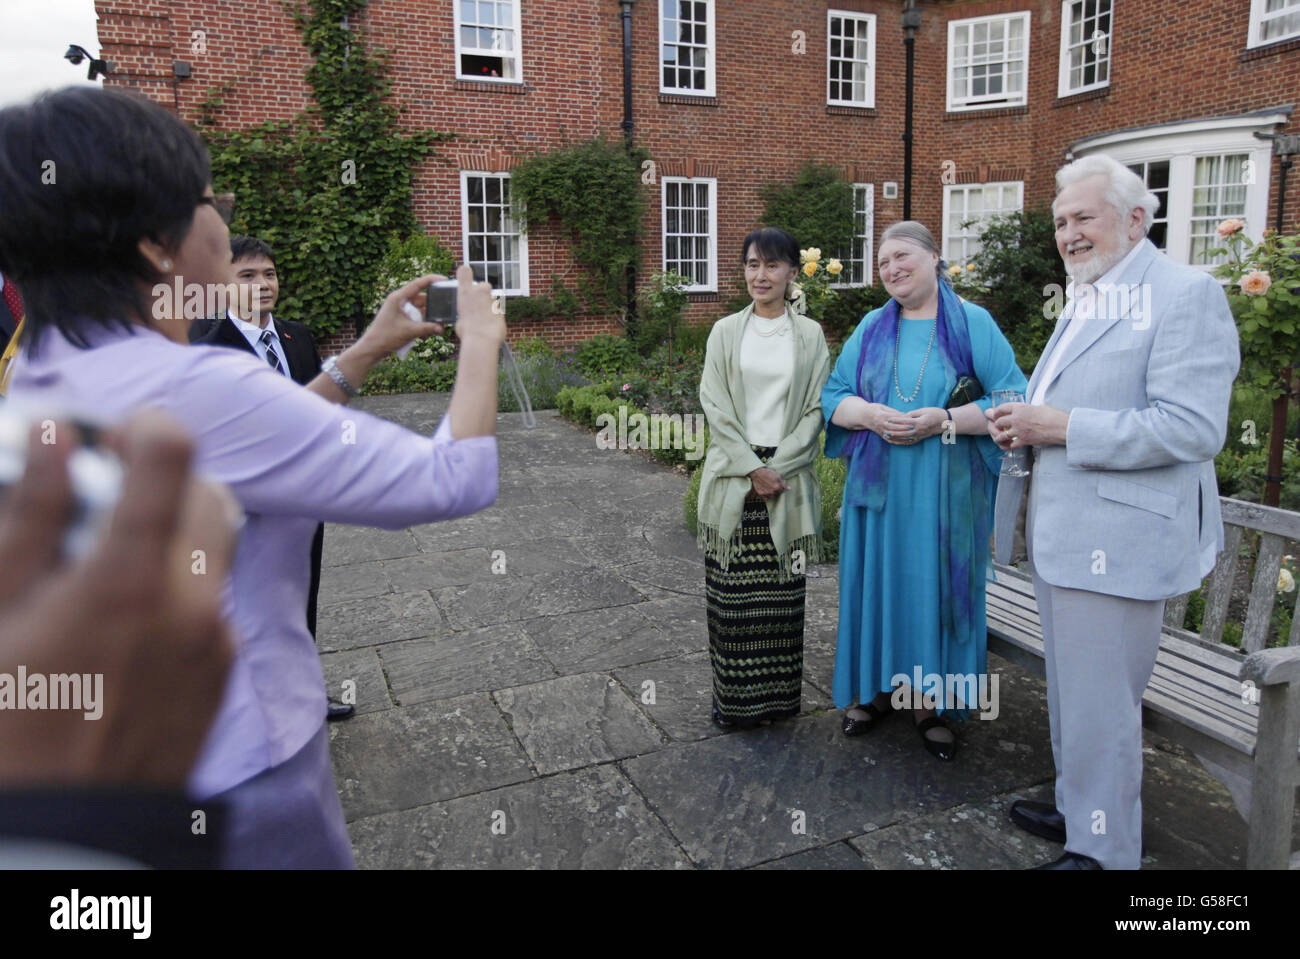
{"points": [[918, 501]]}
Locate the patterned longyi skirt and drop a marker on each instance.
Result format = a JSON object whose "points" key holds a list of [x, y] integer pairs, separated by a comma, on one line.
{"points": [[755, 627]]}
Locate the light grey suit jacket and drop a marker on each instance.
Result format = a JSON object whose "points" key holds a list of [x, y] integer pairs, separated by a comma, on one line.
{"points": [[1126, 506]]}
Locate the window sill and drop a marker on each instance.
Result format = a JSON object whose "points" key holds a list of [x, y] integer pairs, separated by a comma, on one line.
{"points": [[1277, 46], [842, 110], [952, 115], [697, 100], [703, 297], [489, 86], [1072, 98]]}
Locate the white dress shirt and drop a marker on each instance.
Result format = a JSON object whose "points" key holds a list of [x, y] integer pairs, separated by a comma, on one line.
{"points": [[253, 333], [767, 369]]}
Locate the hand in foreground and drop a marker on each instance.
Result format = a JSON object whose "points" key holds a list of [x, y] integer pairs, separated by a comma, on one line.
{"points": [[1013, 425], [392, 329], [135, 610], [476, 317], [767, 482]]}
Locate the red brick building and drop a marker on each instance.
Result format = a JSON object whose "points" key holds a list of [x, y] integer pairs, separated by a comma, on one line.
{"points": [[728, 95]]}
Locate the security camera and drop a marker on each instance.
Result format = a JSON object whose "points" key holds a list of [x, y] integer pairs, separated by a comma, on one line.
{"points": [[75, 55]]}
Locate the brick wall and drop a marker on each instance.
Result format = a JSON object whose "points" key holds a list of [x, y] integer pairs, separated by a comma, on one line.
{"points": [[1169, 62]]}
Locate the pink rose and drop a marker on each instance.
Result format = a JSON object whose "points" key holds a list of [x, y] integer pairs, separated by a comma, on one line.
{"points": [[1256, 283], [1229, 227], [627, 386]]}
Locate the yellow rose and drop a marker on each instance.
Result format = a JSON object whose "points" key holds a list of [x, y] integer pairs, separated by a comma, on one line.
{"points": [[803, 256], [1285, 581], [810, 268], [970, 267], [954, 269], [814, 254], [835, 267]]}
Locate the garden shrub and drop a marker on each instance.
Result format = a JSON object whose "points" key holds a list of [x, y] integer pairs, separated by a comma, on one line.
{"points": [[606, 354]]}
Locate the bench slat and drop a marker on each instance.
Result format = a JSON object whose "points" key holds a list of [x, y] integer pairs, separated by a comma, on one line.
{"points": [[1263, 592], [1219, 590], [1266, 519]]}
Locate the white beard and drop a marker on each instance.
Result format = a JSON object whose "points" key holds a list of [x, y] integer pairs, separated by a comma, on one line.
{"points": [[1096, 266]]}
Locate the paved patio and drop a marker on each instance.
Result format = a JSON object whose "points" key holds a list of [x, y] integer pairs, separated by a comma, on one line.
{"points": [[554, 712]]}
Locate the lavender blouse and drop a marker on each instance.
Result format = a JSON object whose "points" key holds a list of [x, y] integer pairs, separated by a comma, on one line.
{"points": [[292, 459]]}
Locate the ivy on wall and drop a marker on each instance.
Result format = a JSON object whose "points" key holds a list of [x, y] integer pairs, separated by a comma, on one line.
{"points": [[594, 190], [329, 188], [817, 208]]}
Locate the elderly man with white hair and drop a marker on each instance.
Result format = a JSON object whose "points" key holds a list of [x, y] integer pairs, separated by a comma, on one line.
{"points": [[1126, 410]]}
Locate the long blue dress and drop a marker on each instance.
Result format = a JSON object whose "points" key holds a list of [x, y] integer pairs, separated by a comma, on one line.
{"points": [[889, 619]]}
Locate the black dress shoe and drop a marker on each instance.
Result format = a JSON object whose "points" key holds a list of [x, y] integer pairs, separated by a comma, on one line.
{"points": [[336, 710], [856, 727], [1072, 860], [1040, 818], [935, 747]]}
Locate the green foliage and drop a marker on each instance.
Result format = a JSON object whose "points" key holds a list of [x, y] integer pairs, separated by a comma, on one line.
{"points": [[328, 188], [1013, 274], [845, 312], [694, 338], [594, 189], [662, 300], [606, 354], [812, 290], [1241, 475], [1267, 319], [816, 208], [543, 376], [533, 346], [411, 375], [406, 259], [561, 302]]}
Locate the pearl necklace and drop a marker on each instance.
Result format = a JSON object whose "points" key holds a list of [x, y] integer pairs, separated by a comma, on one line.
{"points": [[898, 335]]}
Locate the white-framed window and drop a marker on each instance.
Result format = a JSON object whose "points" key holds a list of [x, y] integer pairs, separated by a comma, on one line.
{"points": [[690, 230], [967, 207], [1085, 46], [687, 48], [1155, 174], [858, 259], [988, 61], [491, 239], [487, 40], [850, 59], [1273, 20], [1204, 172]]}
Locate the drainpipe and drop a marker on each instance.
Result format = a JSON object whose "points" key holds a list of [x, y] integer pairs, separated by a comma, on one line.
{"points": [[628, 127], [911, 23]]}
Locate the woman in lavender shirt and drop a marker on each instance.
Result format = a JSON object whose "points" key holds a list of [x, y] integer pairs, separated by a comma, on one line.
{"points": [[100, 250]]}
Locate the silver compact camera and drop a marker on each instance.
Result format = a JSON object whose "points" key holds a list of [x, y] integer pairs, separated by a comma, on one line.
{"points": [[440, 303]]}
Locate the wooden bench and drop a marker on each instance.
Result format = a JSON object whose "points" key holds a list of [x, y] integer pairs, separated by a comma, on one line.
{"points": [[1238, 710]]}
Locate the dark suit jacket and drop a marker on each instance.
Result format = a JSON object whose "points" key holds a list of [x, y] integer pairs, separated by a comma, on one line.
{"points": [[299, 347], [304, 365]]}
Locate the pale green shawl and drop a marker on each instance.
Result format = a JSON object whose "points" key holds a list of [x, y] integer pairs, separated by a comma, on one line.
{"points": [[794, 515]]}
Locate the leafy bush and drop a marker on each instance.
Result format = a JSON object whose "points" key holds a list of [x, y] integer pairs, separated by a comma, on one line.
{"points": [[816, 208], [534, 346], [1241, 475], [845, 312], [561, 302], [391, 375], [1016, 265], [406, 259], [662, 300], [606, 354]]}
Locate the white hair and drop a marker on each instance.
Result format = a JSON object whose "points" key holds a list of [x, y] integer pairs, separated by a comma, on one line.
{"points": [[1125, 190]]}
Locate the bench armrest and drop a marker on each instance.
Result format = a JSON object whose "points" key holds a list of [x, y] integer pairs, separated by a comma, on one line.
{"points": [[1270, 667]]}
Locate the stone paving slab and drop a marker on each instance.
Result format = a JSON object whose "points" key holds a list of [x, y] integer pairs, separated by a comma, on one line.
{"points": [[361, 668], [458, 746], [348, 545], [506, 600], [587, 819], [576, 721], [475, 660], [379, 619], [602, 639]]}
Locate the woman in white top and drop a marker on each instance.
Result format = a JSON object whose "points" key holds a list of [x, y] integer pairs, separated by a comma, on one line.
{"points": [[760, 505]]}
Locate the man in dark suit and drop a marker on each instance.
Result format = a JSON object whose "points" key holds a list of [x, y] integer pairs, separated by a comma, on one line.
{"points": [[286, 346]]}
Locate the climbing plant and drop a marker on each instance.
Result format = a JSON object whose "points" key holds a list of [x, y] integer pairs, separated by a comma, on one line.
{"points": [[330, 187], [594, 189], [817, 208]]}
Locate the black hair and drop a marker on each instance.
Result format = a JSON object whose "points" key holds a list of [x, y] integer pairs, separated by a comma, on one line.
{"points": [[247, 247], [85, 174], [772, 243]]}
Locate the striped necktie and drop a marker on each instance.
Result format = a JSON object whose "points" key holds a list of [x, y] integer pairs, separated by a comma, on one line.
{"points": [[268, 338]]}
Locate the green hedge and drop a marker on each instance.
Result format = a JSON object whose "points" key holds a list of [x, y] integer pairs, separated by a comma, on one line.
{"points": [[585, 405]]}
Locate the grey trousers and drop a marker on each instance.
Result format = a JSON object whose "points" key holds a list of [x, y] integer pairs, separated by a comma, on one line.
{"points": [[1100, 651], [289, 817]]}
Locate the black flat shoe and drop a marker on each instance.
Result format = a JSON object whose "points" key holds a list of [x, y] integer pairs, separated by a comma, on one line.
{"points": [[1071, 860], [939, 750], [336, 710], [856, 727], [1040, 818]]}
